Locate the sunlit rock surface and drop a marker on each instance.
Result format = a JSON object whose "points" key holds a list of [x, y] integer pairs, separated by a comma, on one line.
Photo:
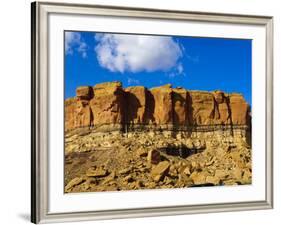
{"points": [[137, 138]]}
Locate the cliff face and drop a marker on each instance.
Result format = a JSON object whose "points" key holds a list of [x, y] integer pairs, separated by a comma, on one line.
{"points": [[166, 138], [108, 104]]}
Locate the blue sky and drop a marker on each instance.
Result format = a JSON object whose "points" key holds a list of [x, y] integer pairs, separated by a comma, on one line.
{"points": [[190, 62]]}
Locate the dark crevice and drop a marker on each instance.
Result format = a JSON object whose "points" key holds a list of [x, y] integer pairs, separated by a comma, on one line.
{"points": [[230, 114], [182, 151]]}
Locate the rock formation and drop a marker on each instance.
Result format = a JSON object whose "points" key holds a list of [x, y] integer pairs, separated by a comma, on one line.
{"points": [[163, 105], [109, 105], [137, 138], [135, 97]]}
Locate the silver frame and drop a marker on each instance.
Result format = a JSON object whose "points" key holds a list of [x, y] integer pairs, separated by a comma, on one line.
{"points": [[39, 90]]}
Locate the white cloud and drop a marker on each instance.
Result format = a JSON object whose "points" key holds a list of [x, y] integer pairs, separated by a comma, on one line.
{"points": [[180, 68], [74, 41], [132, 81], [135, 53]]}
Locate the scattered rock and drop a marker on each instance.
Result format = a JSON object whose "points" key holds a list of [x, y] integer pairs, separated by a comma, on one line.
{"points": [[96, 172], [236, 173], [202, 164], [157, 177], [128, 178], [91, 181], [247, 176], [75, 181], [167, 134], [194, 165], [160, 170], [109, 178], [150, 185], [137, 184], [199, 144], [210, 161], [189, 144], [187, 171], [221, 174], [173, 171], [212, 180], [184, 181], [153, 157], [168, 180], [215, 143], [141, 152], [179, 136], [198, 178], [68, 161], [229, 182], [152, 134], [126, 170]]}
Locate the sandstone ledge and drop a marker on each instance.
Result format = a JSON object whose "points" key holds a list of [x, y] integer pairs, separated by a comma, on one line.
{"points": [[109, 107]]}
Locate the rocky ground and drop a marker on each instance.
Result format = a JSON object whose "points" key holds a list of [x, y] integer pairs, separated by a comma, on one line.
{"points": [[116, 161]]}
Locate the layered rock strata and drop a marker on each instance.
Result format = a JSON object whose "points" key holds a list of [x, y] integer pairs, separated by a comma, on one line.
{"points": [[108, 106], [137, 138]]}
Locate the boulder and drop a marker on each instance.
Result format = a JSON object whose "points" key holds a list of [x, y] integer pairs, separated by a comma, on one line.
{"points": [[160, 170], [153, 157], [199, 178]]}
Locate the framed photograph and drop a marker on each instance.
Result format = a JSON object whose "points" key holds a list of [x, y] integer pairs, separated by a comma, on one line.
{"points": [[146, 112]]}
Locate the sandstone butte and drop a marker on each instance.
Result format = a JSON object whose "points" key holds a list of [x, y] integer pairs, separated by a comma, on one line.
{"points": [[109, 104]]}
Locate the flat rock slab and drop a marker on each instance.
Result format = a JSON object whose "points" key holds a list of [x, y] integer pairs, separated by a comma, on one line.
{"points": [[96, 173], [161, 168], [74, 182]]}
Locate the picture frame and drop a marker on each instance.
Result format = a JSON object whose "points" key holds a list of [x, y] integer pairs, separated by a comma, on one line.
{"points": [[42, 185]]}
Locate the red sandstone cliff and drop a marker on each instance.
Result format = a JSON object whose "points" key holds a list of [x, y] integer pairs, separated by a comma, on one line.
{"points": [[109, 103]]}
